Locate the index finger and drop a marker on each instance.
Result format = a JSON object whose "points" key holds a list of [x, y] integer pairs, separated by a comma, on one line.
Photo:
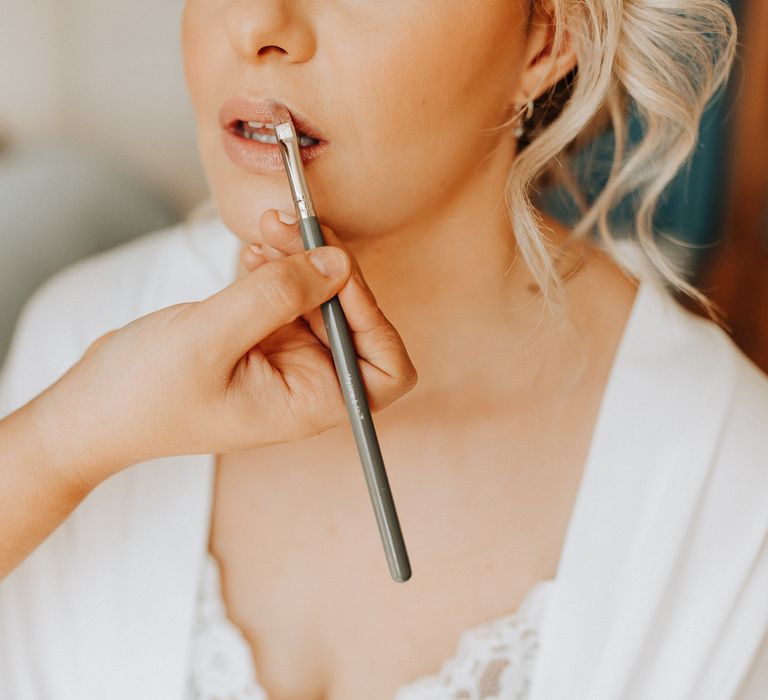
{"points": [[286, 238]]}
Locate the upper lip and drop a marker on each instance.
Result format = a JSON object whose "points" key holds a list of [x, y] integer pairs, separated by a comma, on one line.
{"points": [[245, 110]]}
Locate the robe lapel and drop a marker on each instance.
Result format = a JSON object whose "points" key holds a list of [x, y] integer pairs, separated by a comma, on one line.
{"points": [[161, 510], [166, 563], [644, 584]]}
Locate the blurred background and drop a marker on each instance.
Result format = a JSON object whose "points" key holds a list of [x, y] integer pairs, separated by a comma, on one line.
{"points": [[97, 146]]}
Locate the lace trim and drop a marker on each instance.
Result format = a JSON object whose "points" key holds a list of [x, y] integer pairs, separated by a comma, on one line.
{"points": [[493, 660], [221, 663]]}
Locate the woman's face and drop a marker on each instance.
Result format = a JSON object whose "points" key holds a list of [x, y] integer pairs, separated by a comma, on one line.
{"points": [[400, 90]]}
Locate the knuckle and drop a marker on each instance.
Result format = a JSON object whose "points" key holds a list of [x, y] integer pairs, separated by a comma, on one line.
{"points": [[280, 287], [411, 376], [96, 344], [390, 343], [406, 372]]}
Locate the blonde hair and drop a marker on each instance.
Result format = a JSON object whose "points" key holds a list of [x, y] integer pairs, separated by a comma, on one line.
{"points": [[667, 59]]}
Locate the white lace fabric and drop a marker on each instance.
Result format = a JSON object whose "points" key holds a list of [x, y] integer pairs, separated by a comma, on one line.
{"points": [[493, 661]]}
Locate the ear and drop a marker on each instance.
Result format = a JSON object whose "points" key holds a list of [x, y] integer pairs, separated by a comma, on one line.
{"points": [[541, 67]]}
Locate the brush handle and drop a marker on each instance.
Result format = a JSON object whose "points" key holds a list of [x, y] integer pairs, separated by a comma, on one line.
{"points": [[356, 400]]}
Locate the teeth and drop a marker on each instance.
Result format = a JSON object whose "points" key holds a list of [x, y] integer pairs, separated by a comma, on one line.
{"points": [[259, 125], [304, 140], [262, 138]]}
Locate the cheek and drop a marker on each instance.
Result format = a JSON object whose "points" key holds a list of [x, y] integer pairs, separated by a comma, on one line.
{"points": [[409, 103], [211, 77], [420, 101]]}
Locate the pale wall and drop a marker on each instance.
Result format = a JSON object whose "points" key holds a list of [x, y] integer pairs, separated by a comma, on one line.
{"points": [[108, 74]]}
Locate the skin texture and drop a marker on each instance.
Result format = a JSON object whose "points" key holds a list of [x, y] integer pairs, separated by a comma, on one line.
{"points": [[411, 181], [410, 190], [381, 58], [233, 371], [486, 452]]}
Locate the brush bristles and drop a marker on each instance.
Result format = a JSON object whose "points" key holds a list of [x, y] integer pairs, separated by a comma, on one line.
{"points": [[280, 114]]}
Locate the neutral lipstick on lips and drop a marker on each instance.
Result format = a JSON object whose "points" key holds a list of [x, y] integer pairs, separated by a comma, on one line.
{"points": [[344, 356], [248, 136]]}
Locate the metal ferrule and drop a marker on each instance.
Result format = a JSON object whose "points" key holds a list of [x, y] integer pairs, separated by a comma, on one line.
{"points": [[288, 143]]}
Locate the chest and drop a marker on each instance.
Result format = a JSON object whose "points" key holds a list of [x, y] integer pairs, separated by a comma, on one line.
{"points": [[484, 506]]}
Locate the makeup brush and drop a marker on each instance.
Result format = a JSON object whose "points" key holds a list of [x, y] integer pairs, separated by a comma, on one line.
{"points": [[344, 356]]}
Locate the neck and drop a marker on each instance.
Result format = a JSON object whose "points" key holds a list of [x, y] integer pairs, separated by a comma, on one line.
{"points": [[453, 286]]}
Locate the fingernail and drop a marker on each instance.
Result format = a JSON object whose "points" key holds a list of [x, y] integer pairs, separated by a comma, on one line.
{"points": [[329, 260], [286, 218], [256, 248]]}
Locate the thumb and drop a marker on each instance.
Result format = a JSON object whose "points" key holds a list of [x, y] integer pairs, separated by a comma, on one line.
{"points": [[272, 296]]}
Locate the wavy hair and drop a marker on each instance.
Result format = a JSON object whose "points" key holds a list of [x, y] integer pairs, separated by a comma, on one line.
{"points": [[665, 60]]}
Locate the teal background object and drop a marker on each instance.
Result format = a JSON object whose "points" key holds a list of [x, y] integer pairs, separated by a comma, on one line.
{"points": [[692, 208]]}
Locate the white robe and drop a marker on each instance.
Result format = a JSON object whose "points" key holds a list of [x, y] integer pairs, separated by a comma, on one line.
{"points": [[662, 586]]}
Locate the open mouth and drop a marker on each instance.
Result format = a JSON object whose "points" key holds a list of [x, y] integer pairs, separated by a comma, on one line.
{"points": [[250, 141], [265, 133]]}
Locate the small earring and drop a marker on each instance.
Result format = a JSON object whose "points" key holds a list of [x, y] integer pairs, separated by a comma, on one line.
{"points": [[522, 119]]}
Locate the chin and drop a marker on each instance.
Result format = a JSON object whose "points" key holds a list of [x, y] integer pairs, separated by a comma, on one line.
{"points": [[241, 205], [241, 198]]}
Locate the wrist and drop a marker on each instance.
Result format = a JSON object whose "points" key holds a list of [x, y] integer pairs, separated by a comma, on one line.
{"points": [[66, 443], [28, 467]]}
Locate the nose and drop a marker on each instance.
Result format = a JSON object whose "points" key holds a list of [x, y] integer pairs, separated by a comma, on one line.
{"points": [[269, 29]]}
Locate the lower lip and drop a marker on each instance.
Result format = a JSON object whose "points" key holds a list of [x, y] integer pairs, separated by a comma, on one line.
{"points": [[260, 158]]}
